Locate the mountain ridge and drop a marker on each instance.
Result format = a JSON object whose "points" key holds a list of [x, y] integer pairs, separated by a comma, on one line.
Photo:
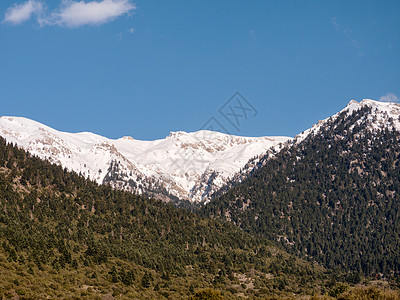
{"points": [[385, 112], [189, 166], [329, 195], [392, 109], [182, 166]]}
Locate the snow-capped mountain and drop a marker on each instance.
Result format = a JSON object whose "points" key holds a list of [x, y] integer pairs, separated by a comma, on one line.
{"points": [[333, 186], [383, 115], [189, 166]]}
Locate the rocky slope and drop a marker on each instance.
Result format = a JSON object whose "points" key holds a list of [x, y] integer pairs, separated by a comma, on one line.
{"points": [[188, 166]]}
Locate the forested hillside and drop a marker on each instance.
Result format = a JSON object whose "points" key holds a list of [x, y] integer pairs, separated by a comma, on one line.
{"points": [[64, 236], [333, 197]]}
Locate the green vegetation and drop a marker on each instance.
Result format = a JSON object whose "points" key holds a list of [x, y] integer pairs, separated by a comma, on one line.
{"points": [[333, 198], [64, 236]]}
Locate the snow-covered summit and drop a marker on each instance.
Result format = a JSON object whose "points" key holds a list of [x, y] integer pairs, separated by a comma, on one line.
{"points": [[187, 165], [382, 114]]}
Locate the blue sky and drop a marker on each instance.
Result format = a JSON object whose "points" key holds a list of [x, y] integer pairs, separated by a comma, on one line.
{"points": [[145, 68]]}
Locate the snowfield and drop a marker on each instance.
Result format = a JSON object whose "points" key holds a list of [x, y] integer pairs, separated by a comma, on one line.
{"points": [[190, 166]]}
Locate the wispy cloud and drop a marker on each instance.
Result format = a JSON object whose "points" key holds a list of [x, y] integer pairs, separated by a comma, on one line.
{"points": [[17, 14], [347, 33], [71, 13], [335, 24], [389, 97]]}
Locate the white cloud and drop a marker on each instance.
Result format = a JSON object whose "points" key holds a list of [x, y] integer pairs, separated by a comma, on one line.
{"points": [[75, 14], [389, 97], [71, 13], [131, 30], [19, 13], [335, 24]]}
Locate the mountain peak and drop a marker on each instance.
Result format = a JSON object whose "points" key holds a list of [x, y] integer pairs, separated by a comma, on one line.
{"points": [[382, 111], [370, 102], [127, 137], [186, 165], [352, 102], [175, 134]]}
